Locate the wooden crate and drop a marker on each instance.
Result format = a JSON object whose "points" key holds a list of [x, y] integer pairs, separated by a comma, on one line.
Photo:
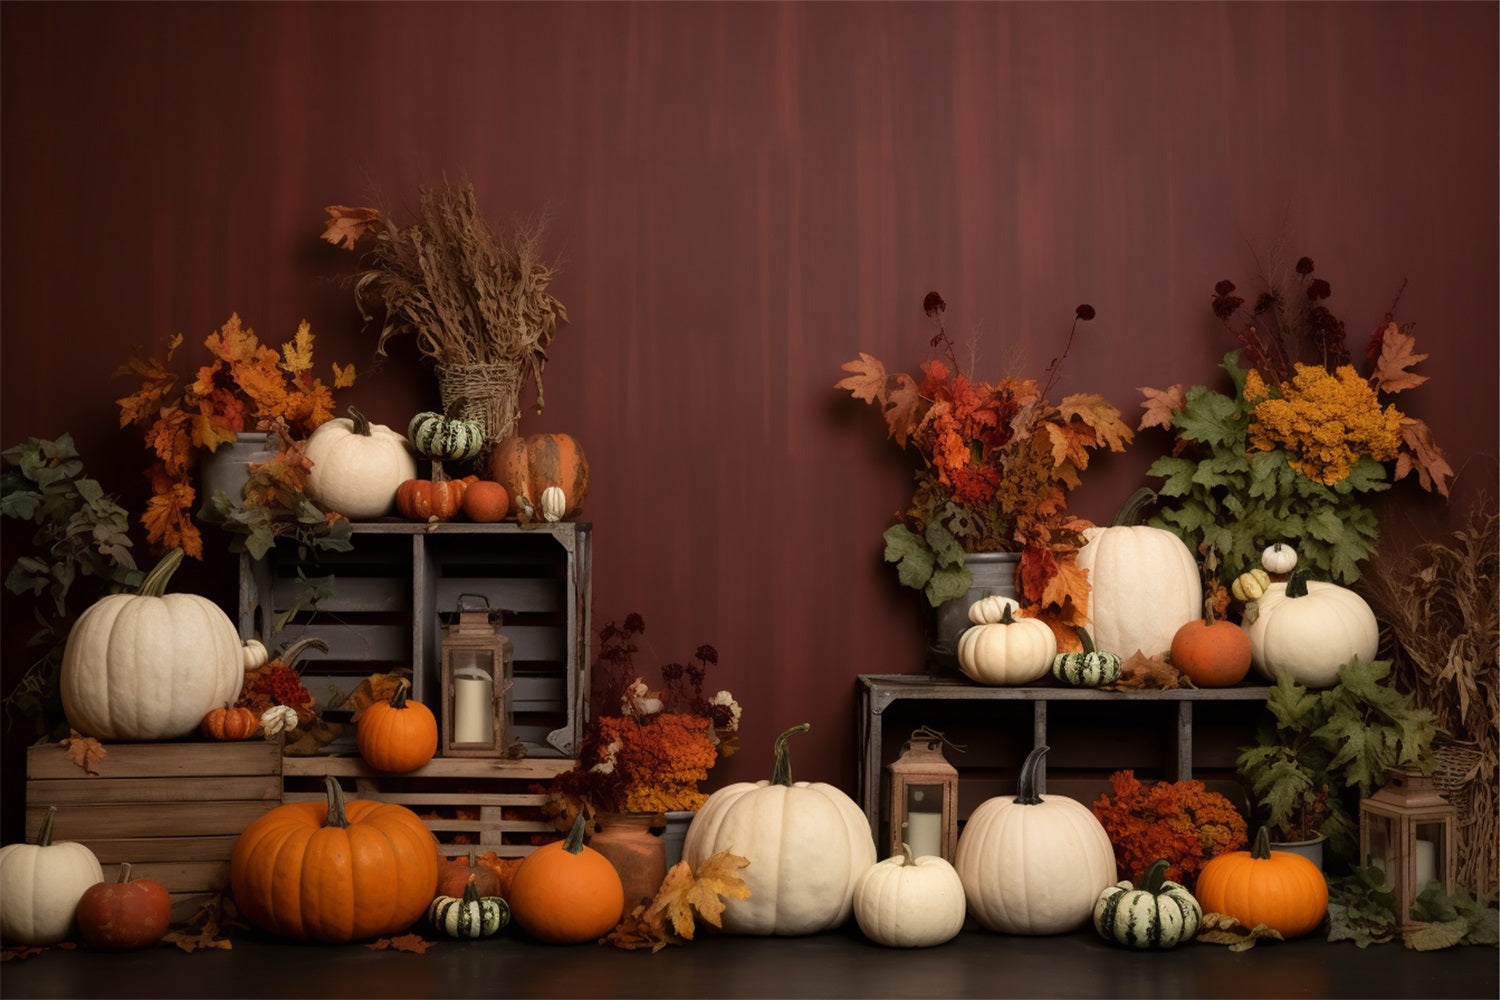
{"points": [[173, 810], [392, 595], [487, 805]]}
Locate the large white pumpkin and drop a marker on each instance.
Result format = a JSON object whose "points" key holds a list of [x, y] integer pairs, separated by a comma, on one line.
{"points": [[150, 665], [40, 886], [1143, 586], [906, 902], [807, 844], [1032, 864], [1308, 629], [357, 466]]}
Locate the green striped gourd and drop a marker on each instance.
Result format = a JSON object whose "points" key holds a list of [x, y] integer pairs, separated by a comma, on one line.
{"points": [[468, 916], [1090, 668], [1159, 914], [446, 439]]}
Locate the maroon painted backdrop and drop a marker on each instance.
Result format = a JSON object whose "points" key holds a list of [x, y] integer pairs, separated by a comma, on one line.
{"points": [[743, 197]]}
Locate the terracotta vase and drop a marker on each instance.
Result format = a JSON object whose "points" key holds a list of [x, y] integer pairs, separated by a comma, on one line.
{"points": [[631, 845]]}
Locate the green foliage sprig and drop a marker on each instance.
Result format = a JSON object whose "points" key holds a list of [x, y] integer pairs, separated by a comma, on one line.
{"points": [[1220, 495], [81, 534], [1362, 909]]}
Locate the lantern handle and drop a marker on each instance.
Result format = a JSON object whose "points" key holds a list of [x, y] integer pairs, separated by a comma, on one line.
{"points": [[933, 739], [477, 597]]}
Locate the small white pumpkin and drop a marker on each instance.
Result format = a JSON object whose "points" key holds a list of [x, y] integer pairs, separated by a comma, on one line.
{"points": [[357, 466], [906, 902], [1007, 649], [255, 654], [41, 884], [149, 665], [1308, 629], [1278, 559], [554, 504], [1033, 865], [807, 843], [1143, 586]]}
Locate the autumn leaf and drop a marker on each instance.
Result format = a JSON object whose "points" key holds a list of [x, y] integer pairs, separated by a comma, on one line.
{"points": [[1098, 414], [1397, 354], [1140, 671], [1220, 928], [208, 927], [346, 225], [686, 895], [504, 869], [343, 377], [905, 411], [1161, 405], [376, 688], [1421, 454], [1070, 582], [414, 943], [868, 381], [85, 751], [296, 354]]}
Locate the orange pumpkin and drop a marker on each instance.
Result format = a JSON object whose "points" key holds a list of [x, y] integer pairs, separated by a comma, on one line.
{"points": [[566, 892], [1284, 891], [334, 872], [397, 735], [456, 873], [486, 501], [527, 466], [1212, 653], [425, 499], [126, 913], [229, 724]]}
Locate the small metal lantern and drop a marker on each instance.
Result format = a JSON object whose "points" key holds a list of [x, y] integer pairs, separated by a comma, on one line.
{"points": [[477, 666], [924, 798], [1407, 829]]}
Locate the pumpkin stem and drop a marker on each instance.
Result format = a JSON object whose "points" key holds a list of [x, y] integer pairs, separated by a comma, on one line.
{"points": [[44, 836], [782, 774], [398, 697], [1155, 876], [1297, 585], [124, 872], [289, 655], [906, 856], [574, 842], [155, 584], [1006, 618], [336, 816], [361, 422], [1083, 637], [1134, 507], [471, 892], [1026, 793], [1261, 849]]}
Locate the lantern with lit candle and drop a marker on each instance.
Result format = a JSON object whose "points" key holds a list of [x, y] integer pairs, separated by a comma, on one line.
{"points": [[477, 666], [1406, 829], [924, 798]]}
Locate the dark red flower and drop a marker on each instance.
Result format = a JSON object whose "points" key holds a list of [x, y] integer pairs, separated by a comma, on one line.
{"points": [[1084, 312], [1224, 287], [1304, 266], [1318, 289], [933, 304]]}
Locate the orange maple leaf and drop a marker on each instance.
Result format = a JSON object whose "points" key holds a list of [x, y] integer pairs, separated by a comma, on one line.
{"points": [[1397, 354], [904, 414], [1099, 414], [1421, 454], [868, 381], [1069, 583], [1142, 671], [167, 522], [346, 225], [414, 943], [296, 354], [85, 751], [1161, 405]]}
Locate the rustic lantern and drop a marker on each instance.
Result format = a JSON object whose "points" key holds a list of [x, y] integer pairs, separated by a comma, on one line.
{"points": [[924, 798], [477, 666], [1406, 829]]}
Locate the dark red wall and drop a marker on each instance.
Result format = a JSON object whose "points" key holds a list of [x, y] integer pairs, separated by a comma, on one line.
{"points": [[744, 196]]}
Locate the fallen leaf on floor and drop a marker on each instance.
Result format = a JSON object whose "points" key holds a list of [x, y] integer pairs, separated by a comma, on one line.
{"points": [[1220, 928], [413, 943]]}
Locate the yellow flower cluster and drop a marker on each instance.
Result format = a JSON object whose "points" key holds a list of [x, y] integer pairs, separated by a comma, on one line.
{"points": [[1325, 421]]}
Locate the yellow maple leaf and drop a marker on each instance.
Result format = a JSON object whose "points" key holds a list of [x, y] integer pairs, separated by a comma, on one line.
{"points": [[343, 377], [297, 353], [1100, 415], [868, 381], [684, 895]]}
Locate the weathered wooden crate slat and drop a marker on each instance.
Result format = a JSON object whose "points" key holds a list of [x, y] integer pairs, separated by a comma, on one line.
{"points": [[400, 585], [60, 791]]}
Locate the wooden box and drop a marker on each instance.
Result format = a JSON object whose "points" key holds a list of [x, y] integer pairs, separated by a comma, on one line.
{"points": [[173, 810], [391, 596]]}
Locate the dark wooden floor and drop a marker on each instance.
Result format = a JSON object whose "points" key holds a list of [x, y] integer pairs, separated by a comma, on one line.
{"points": [[839, 964]]}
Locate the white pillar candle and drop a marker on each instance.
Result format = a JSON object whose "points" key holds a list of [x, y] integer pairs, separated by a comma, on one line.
{"points": [[924, 834], [1426, 863], [473, 719]]}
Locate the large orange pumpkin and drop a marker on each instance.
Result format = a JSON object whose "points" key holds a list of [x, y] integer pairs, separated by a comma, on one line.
{"points": [[566, 892], [397, 735], [334, 872], [527, 466], [1282, 890]]}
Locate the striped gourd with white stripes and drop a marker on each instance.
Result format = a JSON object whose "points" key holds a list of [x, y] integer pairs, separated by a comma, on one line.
{"points": [[470, 915], [1159, 914]]}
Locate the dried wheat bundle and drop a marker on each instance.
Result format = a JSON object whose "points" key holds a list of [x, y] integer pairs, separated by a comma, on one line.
{"points": [[1440, 609], [476, 303]]}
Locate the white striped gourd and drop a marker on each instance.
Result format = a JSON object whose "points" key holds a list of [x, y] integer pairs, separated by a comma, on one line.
{"points": [[1159, 914]]}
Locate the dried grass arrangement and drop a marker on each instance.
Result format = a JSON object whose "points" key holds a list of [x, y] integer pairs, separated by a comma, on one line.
{"points": [[1441, 612], [477, 303]]}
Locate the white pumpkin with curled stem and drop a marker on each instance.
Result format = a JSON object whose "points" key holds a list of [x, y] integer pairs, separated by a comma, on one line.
{"points": [[357, 466], [1003, 648], [41, 884]]}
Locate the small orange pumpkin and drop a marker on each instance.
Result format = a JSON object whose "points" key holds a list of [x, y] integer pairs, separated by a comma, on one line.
{"points": [[566, 892], [397, 735], [527, 466], [486, 501], [1211, 652], [229, 724], [425, 499], [1282, 890], [455, 873], [127, 913]]}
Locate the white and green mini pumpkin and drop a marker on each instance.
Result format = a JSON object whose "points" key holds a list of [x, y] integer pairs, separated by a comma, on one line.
{"points": [[444, 438], [1090, 668], [1002, 647], [470, 915], [1158, 914]]}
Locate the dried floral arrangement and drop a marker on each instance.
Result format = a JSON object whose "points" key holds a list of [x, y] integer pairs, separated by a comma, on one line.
{"points": [[246, 385], [1440, 608], [478, 304], [997, 461], [1290, 454], [1181, 821], [654, 754]]}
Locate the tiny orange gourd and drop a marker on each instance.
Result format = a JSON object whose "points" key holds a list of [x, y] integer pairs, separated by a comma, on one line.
{"points": [[1282, 890], [486, 501], [397, 735], [566, 892], [1211, 652], [229, 724]]}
